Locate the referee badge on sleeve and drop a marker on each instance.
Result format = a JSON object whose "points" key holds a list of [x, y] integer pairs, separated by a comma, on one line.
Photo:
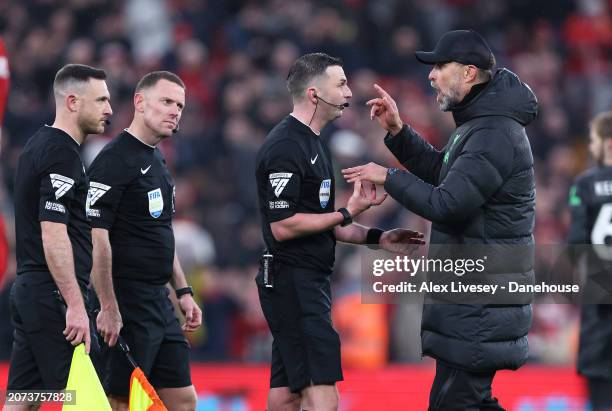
{"points": [[156, 202], [95, 191], [279, 181], [324, 192]]}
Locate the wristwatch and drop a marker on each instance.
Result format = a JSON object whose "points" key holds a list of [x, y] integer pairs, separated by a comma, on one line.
{"points": [[348, 218], [182, 291]]}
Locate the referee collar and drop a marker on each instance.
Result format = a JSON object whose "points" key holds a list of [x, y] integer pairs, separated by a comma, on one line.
{"points": [[148, 145], [305, 125], [64, 132]]}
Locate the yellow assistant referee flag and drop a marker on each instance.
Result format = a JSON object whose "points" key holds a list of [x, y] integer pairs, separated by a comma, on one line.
{"points": [[83, 380], [142, 394]]}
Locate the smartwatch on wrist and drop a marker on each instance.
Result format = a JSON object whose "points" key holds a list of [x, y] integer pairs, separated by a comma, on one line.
{"points": [[373, 238], [182, 291], [348, 218]]}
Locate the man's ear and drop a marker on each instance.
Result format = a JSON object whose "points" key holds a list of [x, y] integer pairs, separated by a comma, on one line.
{"points": [[470, 73], [139, 102], [312, 95], [71, 102]]}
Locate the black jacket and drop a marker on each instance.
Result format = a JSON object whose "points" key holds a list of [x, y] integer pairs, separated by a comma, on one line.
{"points": [[479, 190]]}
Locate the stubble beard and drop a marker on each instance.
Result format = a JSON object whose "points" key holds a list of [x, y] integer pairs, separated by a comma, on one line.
{"points": [[450, 99], [90, 126]]}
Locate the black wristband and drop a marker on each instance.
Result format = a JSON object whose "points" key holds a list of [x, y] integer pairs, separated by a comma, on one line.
{"points": [[182, 291], [348, 218], [373, 238]]}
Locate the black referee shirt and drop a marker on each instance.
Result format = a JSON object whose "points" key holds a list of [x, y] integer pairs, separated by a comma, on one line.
{"points": [[132, 195], [590, 201], [295, 175], [51, 185]]}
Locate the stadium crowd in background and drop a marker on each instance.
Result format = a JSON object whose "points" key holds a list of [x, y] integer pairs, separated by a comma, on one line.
{"points": [[233, 57]]}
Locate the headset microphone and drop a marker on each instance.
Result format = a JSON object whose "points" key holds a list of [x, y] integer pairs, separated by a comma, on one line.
{"points": [[338, 106], [176, 129], [107, 122]]}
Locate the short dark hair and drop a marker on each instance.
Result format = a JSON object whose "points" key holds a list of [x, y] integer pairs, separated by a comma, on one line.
{"points": [[77, 72], [150, 79], [602, 124], [306, 68]]}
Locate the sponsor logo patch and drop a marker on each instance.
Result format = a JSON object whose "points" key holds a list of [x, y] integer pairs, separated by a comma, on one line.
{"points": [[55, 207], [96, 190], [278, 204], [93, 212], [61, 183], [279, 181]]}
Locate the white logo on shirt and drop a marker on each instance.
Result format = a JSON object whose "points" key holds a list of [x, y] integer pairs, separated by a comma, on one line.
{"points": [[278, 204], [324, 192], [314, 160], [279, 181], [96, 190], [144, 170], [55, 207], [61, 183], [156, 202]]}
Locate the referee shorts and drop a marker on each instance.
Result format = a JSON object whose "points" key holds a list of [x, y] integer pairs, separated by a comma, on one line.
{"points": [[306, 347], [41, 355], [154, 335]]}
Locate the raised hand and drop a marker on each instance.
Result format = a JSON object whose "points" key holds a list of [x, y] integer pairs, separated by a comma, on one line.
{"points": [[371, 172], [363, 198], [384, 109]]}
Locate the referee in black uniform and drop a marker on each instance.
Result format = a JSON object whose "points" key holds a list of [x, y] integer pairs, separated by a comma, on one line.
{"points": [[53, 234], [295, 183], [131, 201], [590, 203]]}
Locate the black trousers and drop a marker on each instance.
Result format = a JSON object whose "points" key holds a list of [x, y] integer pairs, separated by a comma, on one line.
{"points": [[458, 390], [41, 356], [306, 347]]}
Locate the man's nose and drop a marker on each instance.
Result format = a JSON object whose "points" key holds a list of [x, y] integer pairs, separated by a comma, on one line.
{"points": [[174, 111], [432, 75]]}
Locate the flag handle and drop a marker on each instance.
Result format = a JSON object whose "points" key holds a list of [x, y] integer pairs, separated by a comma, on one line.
{"points": [[126, 350], [120, 340]]}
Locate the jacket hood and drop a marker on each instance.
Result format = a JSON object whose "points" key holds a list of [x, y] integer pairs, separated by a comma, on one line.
{"points": [[505, 95]]}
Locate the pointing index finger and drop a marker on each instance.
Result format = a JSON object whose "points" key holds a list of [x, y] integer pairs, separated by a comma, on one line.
{"points": [[381, 91]]}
